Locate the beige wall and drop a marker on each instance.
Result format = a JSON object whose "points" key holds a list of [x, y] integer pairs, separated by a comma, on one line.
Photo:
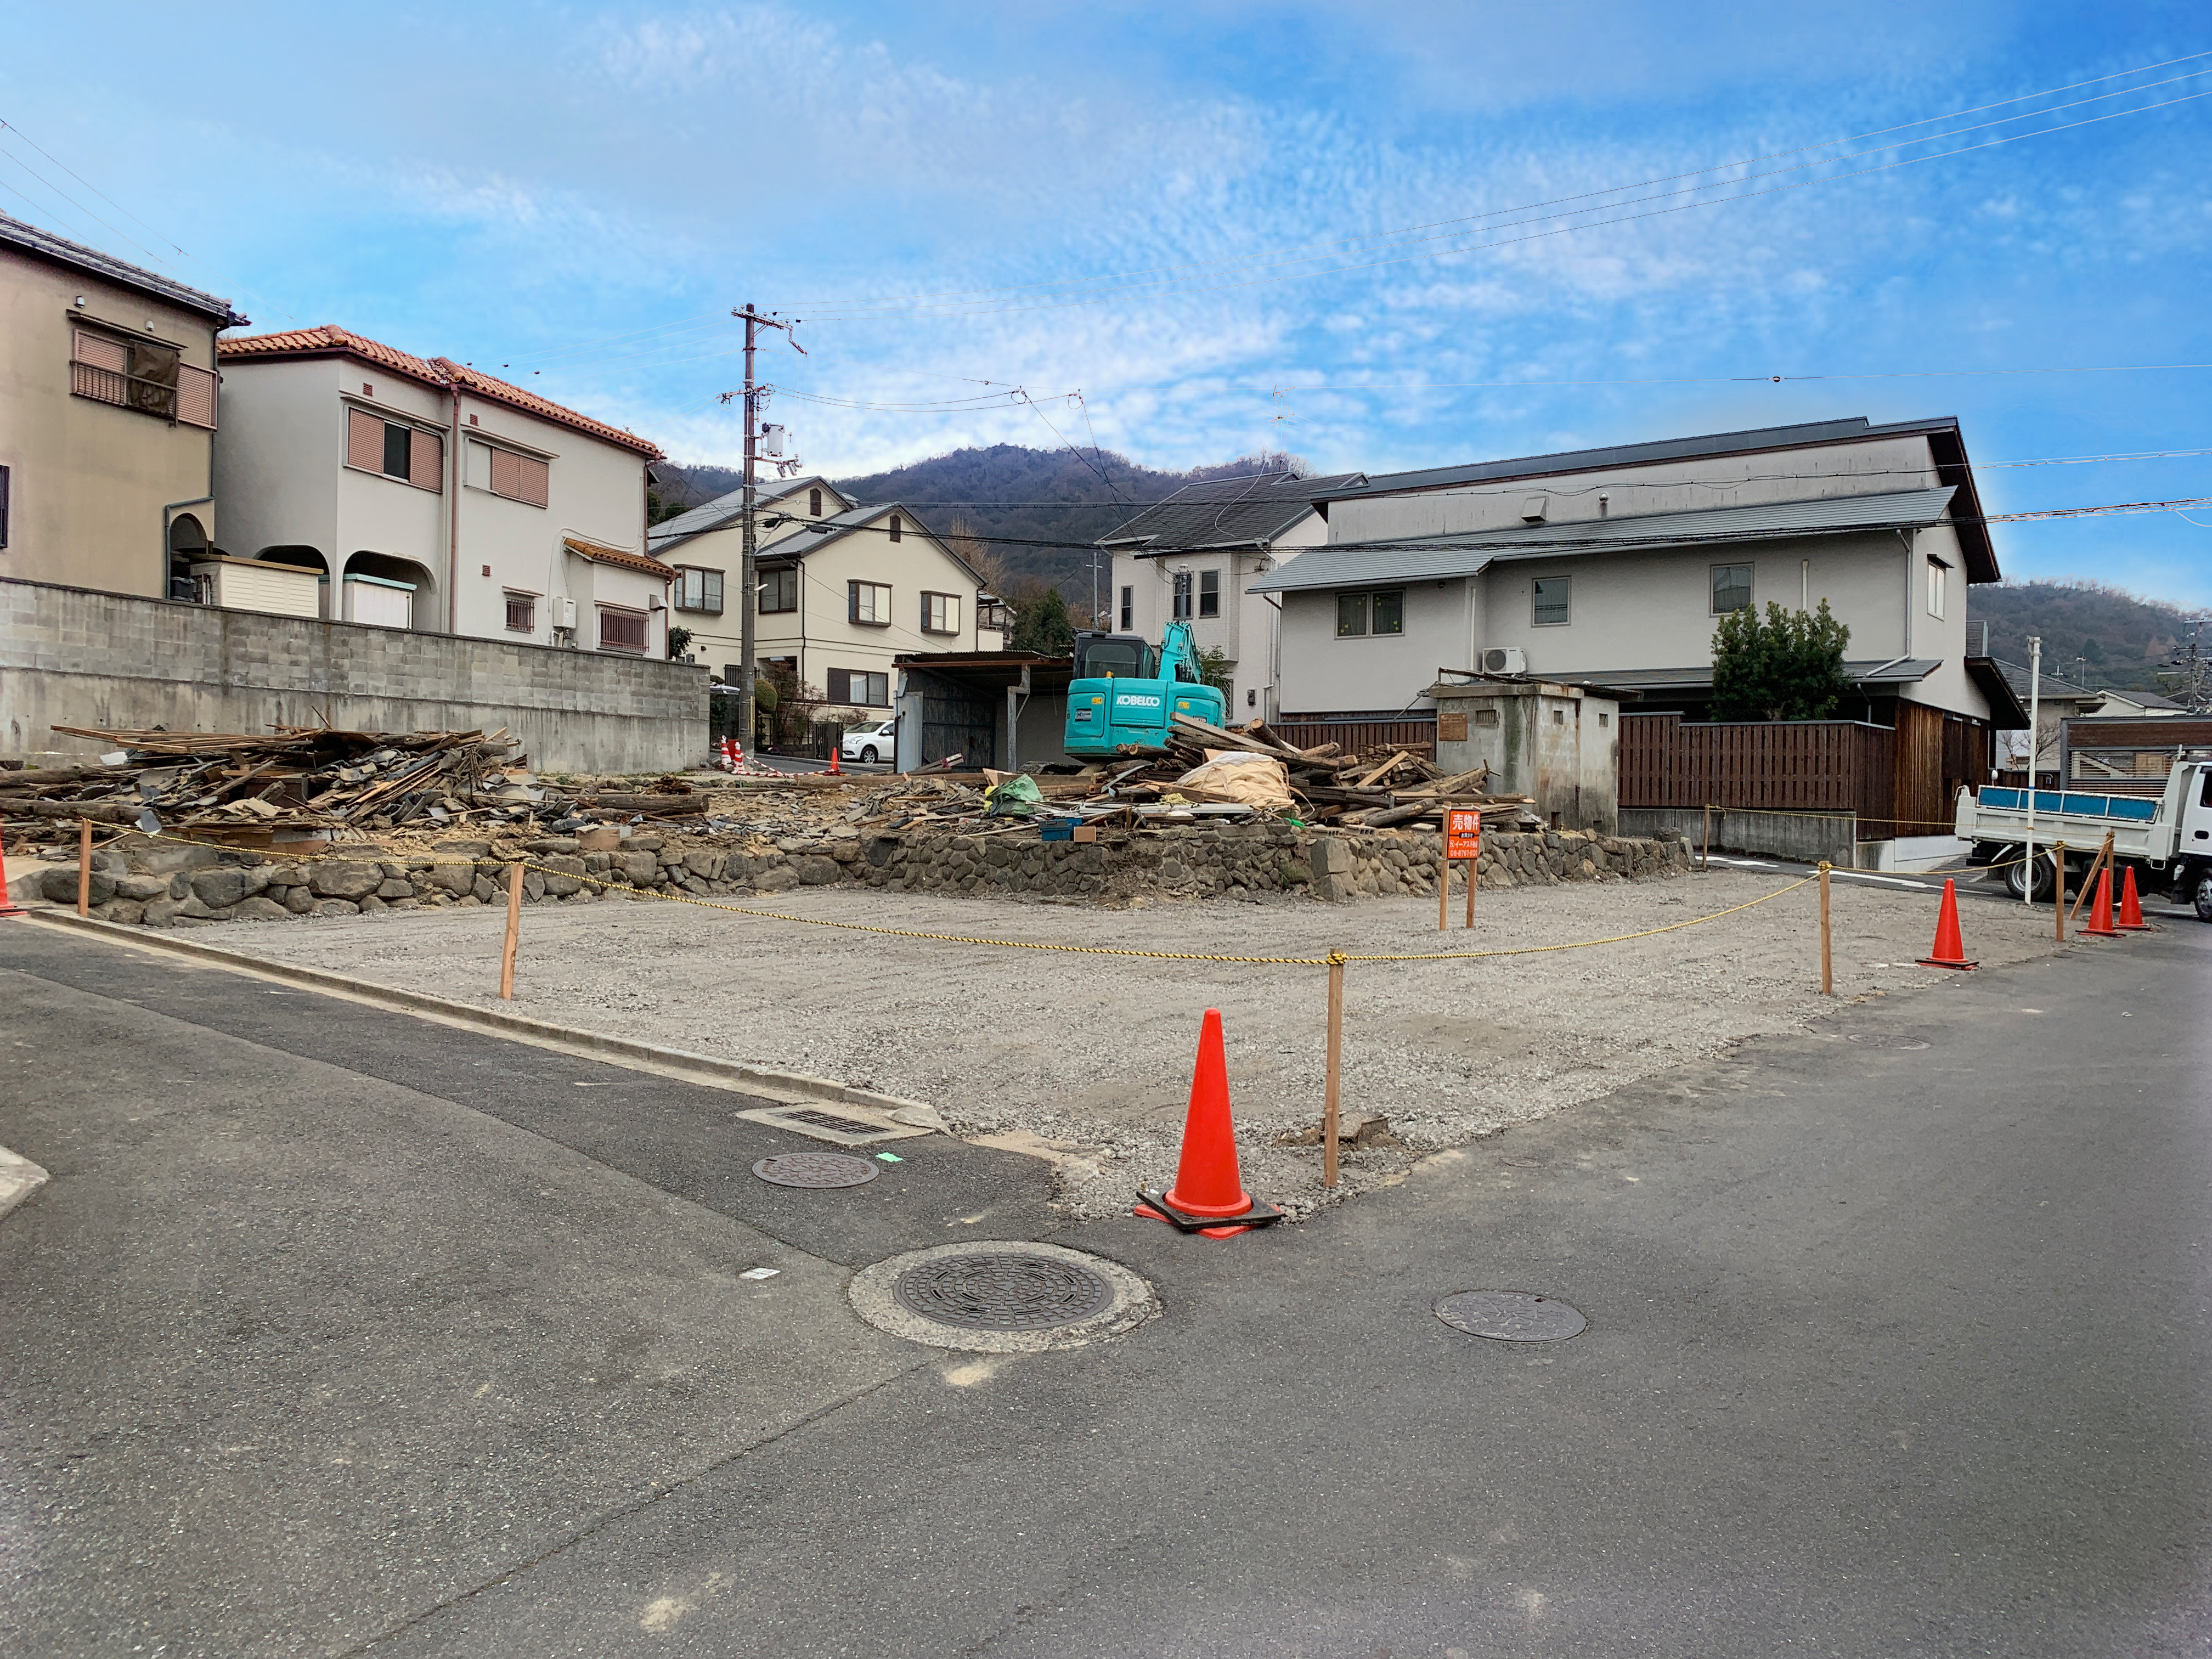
{"points": [[88, 480], [283, 475]]}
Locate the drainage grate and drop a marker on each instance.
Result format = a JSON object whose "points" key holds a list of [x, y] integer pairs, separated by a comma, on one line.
{"points": [[1003, 1291], [821, 1119], [1510, 1316], [815, 1169]]}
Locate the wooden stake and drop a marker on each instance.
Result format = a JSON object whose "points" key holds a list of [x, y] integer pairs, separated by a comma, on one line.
{"points": [[1443, 883], [2102, 861], [1329, 1099], [1706, 847], [1827, 960], [1470, 892], [513, 932], [2057, 886], [84, 867]]}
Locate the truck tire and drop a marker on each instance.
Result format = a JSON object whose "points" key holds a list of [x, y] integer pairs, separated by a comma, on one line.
{"points": [[2017, 874], [2203, 894]]}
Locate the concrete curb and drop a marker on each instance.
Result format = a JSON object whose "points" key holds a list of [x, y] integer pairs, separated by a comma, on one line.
{"points": [[19, 1179], [668, 1062]]}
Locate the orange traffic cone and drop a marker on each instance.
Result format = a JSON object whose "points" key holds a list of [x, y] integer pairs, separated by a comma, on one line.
{"points": [[9, 907], [834, 748], [2100, 913], [1208, 1195], [1949, 950], [2130, 906]]}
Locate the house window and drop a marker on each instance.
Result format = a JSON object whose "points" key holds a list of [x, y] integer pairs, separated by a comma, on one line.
{"points": [[698, 590], [778, 589], [141, 374], [1731, 588], [1209, 593], [404, 452], [868, 603], [1360, 614], [1937, 570], [860, 690], [522, 478], [622, 631], [1551, 606], [813, 503], [895, 527], [522, 613], [940, 613], [1182, 596], [1128, 609]]}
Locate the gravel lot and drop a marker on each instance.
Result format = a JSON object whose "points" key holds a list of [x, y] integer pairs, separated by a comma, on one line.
{"points": [[1093, 1053]]}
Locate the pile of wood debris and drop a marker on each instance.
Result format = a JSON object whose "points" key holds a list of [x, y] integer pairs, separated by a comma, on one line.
{"points": [[247, 788]]}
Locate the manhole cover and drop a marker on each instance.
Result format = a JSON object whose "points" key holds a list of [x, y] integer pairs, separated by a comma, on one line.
{"points": [[1007, 1296], [1002, 1292], [1510, 1316], [815, 1169]]}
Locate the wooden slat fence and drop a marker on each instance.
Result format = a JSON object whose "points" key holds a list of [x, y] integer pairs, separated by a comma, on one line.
{"points": [[1779, 766]]}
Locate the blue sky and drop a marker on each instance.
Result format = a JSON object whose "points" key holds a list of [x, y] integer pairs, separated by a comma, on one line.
{"points": [[1185, 211]]}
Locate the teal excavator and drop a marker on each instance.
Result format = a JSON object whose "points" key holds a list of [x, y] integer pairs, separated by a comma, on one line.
{"points": [[1124, 696]]}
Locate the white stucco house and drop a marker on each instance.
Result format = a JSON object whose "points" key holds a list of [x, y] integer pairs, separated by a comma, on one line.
{"points": [[1194, 558], [844, 589], [428, 495]]}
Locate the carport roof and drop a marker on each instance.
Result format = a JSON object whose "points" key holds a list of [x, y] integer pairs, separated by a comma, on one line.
{"points": [[993, 669], [1422, 558]]}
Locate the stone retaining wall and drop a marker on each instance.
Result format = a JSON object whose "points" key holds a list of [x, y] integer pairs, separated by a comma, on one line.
{"points": [[166, 884]]}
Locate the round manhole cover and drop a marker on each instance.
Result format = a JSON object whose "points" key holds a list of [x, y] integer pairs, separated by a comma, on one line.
{"points": [[815, 1169], [1003, 1297], [1510, 1316], [1003, 1291]]}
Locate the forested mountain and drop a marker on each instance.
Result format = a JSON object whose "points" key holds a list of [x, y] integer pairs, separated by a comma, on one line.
{"points": [[1054, 503], [2092, 633]]}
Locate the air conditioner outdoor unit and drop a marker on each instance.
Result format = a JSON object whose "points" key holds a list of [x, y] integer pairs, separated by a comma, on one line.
{"points": [[564, 613], [1504, 660]]}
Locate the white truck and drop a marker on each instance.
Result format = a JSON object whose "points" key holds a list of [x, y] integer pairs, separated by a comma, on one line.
{"points": [[2167, 838]]}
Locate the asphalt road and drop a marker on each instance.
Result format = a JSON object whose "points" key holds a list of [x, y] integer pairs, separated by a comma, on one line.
{"points": [[335, 1332]]}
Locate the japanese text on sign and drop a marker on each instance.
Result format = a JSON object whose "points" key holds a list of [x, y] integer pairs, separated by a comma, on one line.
{"points": [[1462, 832]]}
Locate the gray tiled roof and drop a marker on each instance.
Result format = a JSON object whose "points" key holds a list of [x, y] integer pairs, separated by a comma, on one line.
{"points": [[44, 243], [726, 510], [1258, 507], [822, 531], [1418, 558], [1665, 449]]}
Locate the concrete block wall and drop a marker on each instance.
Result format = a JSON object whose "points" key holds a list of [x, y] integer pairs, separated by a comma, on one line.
{"points": [[71, 656]]}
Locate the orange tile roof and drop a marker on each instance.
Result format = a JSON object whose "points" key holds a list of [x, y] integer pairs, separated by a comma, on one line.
{"points": [[329, 340], [639, 562]]}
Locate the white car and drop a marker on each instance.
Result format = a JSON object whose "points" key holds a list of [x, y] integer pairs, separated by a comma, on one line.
{"points": [[869, 743]]}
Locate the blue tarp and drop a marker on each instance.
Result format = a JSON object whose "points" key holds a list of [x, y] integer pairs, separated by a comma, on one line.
{"points": [[2131, 809]]}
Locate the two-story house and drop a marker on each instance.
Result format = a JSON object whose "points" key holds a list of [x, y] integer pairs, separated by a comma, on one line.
{"points": [[1192, 558], [843, 590], [425, 494], [108, 418]]}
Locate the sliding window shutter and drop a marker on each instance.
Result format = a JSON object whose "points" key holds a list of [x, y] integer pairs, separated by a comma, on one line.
{"points": [[535, 481], [425, 460], [840, 685], [195, 396], [364, 440], [506, 473]]}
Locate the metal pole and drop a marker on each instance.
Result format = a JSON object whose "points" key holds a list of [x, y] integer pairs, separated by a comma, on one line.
{"points": [[1329, 1111], [513, 932], [2034, 741], [2057, 886], [1827, 961], [1706, 847], [84, 867], [748, 578]]}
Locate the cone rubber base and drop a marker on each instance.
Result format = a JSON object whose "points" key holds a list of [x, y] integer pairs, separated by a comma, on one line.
{"points": [[1963, 967], [1154, 1206]]}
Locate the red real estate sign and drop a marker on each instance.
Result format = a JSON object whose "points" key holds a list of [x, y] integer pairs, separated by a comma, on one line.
{"points": [[1462, 832]]}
